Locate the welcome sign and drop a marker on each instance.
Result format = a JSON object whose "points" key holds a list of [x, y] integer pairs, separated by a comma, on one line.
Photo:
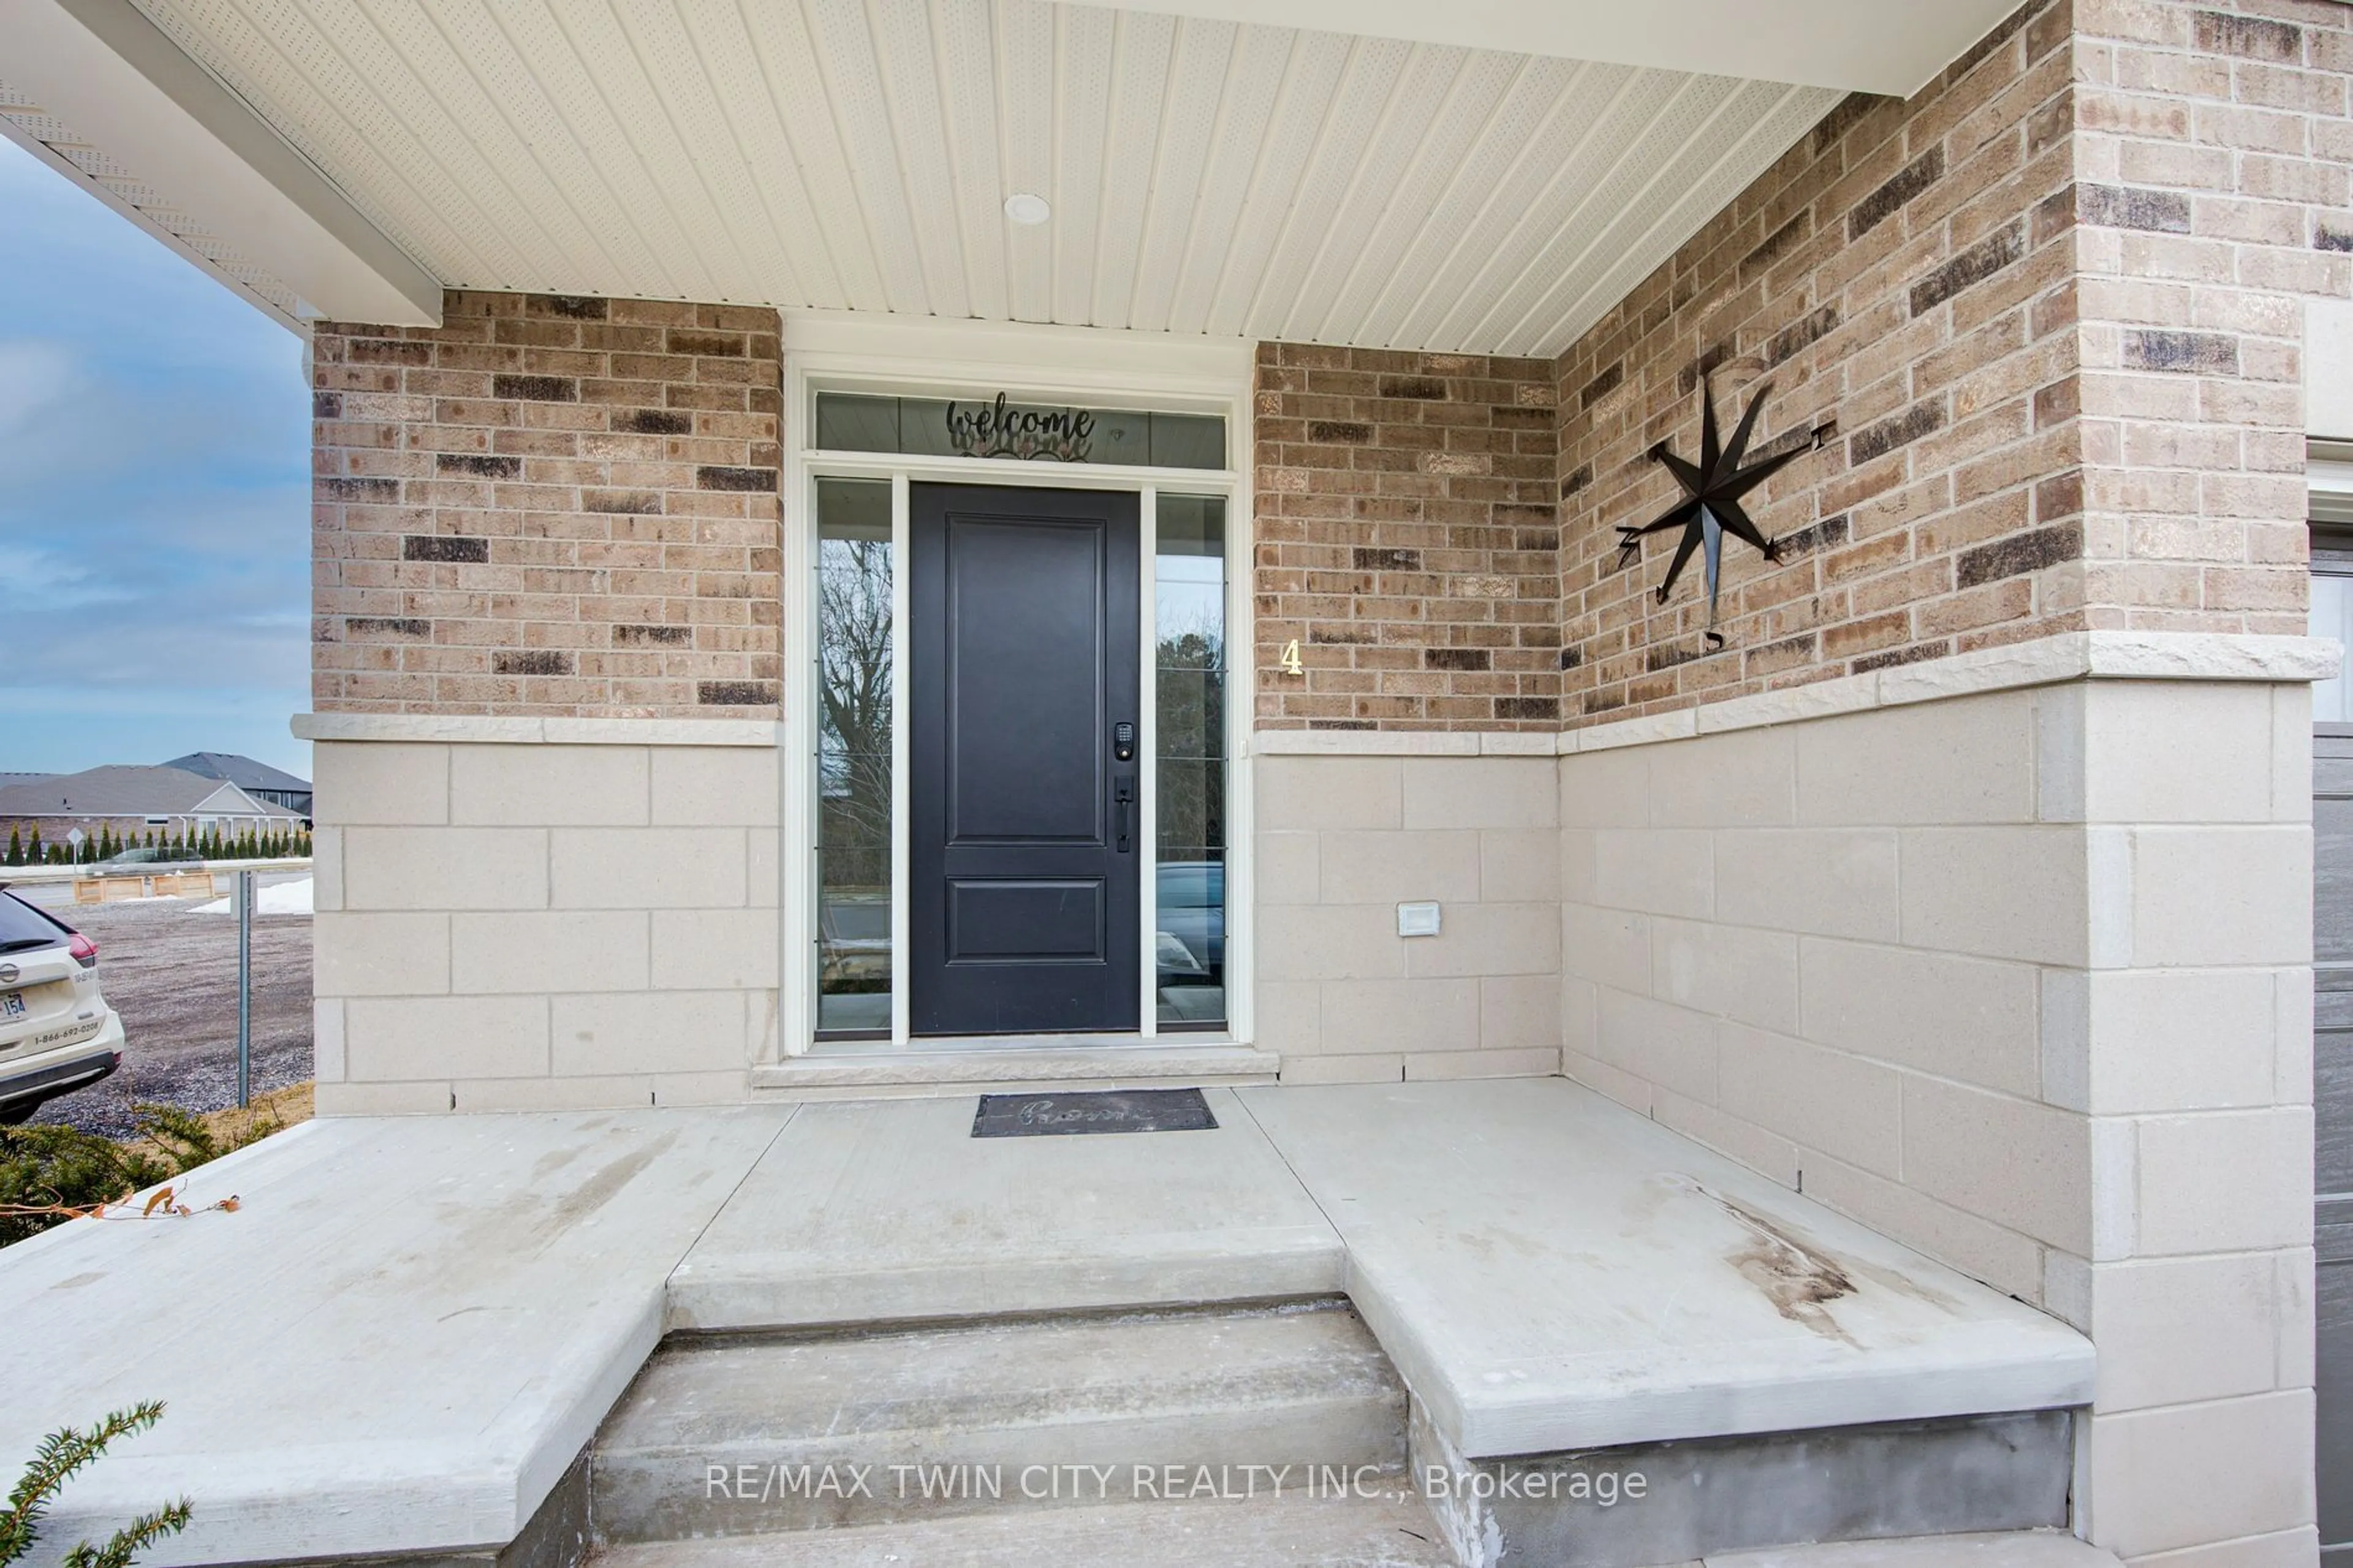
{"points": [[1003, 429], [1000, 429]]}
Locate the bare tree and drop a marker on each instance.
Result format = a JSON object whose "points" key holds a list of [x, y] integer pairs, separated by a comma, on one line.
{"points": [[854, 708]]}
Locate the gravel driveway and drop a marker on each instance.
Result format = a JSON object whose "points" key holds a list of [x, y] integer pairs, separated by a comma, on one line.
{"points": [[172, 973]]}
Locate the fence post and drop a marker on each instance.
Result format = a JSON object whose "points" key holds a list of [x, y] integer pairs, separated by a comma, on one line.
{"points": [[243, 989]]}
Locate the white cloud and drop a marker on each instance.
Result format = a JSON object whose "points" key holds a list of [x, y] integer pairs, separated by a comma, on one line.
{"points": [[34, 376], [155, 541], [37, 581]]}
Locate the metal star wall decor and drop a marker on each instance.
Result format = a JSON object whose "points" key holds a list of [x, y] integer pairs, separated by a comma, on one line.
{"points": [[1711, 505]]}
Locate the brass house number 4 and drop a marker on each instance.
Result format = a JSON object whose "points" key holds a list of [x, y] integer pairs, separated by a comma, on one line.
{"points": [[1289, 658]]}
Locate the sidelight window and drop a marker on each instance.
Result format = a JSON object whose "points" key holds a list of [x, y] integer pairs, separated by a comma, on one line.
{"points": [[1189, 724], [854, 571]]}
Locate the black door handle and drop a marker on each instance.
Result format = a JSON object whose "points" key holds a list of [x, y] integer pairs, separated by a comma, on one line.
{"points": [[1122, 795]]}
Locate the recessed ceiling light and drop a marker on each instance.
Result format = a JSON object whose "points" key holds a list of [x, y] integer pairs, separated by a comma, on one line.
{"points": [[1027, 209]]}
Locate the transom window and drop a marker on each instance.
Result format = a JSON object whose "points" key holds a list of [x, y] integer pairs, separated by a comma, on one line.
{"points": [[1021, 432]]}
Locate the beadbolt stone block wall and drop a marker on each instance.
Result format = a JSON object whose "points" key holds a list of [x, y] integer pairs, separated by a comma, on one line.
{"points": [[1341, 842], [549, 506], [1407, 539], [544, 927], [2021, 979]]}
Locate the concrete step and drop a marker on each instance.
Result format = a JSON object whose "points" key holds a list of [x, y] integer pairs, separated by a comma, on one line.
{"points": [[2016, 1549], [1289, 1533], [1638, 1505], [733, 1436]]}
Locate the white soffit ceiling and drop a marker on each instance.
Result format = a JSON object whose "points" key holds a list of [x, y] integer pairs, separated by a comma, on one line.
{"points": [[26, 122], [1205, 176], [1865, 46]]}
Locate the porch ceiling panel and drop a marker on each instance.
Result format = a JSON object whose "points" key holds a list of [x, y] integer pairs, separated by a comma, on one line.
{"points": [[1205, 175]]}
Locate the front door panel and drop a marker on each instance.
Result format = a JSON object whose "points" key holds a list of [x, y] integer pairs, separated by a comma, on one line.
{"points": [[1023, 908]]}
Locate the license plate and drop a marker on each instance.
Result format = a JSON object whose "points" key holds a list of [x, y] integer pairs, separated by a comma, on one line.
{"points": [[12, 1004]]}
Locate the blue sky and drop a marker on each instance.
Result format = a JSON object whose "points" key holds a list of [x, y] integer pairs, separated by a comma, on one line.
{"points": [[155, 505]]}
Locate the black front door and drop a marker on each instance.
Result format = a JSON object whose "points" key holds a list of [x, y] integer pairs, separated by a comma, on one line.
{"points": [[1023, 815]]}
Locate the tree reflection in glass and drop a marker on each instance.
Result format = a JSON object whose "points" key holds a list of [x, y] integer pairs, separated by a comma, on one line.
{"points": [[854, 570], [1189, 613]]}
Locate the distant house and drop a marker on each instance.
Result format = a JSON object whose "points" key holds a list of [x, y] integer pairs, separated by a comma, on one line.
{"points": [[258, 780], [134, 801]]}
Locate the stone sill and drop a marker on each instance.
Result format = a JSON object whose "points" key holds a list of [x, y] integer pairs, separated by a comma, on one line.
{"points": [[966, 1069], [467, 728], [2046, 661]]}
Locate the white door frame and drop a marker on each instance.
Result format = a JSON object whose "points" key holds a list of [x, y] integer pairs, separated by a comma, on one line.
{"points": [[840, 351]]}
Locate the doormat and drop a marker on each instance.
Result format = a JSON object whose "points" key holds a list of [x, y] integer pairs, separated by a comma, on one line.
{"points": [[1107, 1111]]}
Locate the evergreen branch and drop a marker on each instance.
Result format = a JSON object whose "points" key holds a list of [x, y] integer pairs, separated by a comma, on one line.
{"points": [[143, 1532], [63, 1454]]}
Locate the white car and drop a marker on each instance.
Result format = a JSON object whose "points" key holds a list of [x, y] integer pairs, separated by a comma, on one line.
{"points": [[57, 1032]]}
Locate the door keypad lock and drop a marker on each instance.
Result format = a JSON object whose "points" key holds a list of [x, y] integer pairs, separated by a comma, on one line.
{"points": [[1123, 789]]}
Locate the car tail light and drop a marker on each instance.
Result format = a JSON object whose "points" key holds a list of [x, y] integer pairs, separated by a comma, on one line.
{"points": [[85, 951]]}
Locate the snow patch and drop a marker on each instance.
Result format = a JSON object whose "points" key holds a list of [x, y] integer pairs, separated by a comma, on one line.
{"points": [[277, 899]]}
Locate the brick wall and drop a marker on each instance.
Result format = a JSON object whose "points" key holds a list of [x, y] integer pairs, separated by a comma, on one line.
{"points": [[2211, 148], [1903, 279], [1407, 538], [548, 506], [2038, 334]]}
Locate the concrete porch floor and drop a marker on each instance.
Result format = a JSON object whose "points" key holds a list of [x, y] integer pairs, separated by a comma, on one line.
{"points": [[414, 1324]]}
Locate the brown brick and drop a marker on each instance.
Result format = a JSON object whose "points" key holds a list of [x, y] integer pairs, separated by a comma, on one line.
{"points": [[1809, 330], [537, 388], [1778, 243], [1971, 267], [478, 466], [1897, 430], [445, 547], [2023, 553], [531, 661], [650, 636], [1889, 199], [2180, 352], [2249, 38], [736, 693], [710, 345], [1894, 657], [2120, 206], [718, 477], [571, 307], [1829, 532], [377, 492], [654, 422]]}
